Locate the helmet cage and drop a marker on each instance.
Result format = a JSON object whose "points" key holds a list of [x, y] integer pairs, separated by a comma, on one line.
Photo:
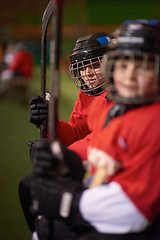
{"points": [[108, 70], [89, 82]]}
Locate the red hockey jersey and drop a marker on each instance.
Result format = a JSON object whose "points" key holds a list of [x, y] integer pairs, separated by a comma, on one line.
{"points": [[76, 134], [133, 140]]}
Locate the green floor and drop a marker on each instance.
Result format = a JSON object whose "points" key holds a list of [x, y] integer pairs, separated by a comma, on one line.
{"points": [[15, 131]]}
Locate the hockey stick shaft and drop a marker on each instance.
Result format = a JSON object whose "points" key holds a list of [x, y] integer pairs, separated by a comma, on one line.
{"points": [[54, 69], [44, 227], [45, 21], [42, 224]]}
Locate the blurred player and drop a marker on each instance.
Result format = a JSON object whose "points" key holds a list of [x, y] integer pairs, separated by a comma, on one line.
{"points": [[20, 64], [126, 144], [18, 72]]}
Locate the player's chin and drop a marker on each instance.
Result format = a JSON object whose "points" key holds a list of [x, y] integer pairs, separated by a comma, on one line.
{"points": [[92, 86], [128, 94]]}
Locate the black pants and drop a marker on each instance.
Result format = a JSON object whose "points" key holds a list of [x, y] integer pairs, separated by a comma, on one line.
{"points": [[64, 232]]}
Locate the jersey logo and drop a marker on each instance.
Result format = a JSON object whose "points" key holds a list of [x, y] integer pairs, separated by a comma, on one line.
{"points": [[98, 159]]}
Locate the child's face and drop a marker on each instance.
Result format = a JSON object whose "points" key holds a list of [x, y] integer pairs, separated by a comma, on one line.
{"points": [[132, 78], [92, 74]]}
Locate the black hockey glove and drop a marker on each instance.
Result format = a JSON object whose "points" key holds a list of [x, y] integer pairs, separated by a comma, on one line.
{"points": [[58, 162], [38, 110], [31, 145], [57, 198]]}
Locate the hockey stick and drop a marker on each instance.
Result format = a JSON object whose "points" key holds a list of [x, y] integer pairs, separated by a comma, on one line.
{"points": [[54, 69], [45, 21], [43, 226]]}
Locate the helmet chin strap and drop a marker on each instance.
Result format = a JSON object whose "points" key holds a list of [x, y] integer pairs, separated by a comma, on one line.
{"points": [[121, 105], [115, 111]]}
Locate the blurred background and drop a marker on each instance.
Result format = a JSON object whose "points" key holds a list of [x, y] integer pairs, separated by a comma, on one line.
{"points": [[20, 29]]}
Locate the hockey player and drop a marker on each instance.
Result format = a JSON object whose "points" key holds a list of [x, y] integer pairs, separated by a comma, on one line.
{"points": [[126, 144], [85, 70], [20, 68]]}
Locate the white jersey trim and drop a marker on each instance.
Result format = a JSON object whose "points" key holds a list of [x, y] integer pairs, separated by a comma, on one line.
{"points": [[109, 210]]}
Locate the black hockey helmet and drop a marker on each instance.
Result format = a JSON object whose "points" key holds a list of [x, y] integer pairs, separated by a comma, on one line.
{"points": [[87, 53], [139, 36], [89, 47], [138, 39]]}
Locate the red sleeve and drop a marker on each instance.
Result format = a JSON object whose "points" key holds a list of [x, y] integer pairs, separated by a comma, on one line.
{"points": [[77, 128], [66, 133]]}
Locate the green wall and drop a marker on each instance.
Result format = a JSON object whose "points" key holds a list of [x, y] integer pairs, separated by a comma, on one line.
{"points": [[103, 12]]}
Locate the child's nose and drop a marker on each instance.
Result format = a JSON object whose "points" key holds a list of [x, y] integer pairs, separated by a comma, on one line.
{"points": [[89, 70], [131, 71]]}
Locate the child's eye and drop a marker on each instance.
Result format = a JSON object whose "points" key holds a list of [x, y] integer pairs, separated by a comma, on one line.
{"points": [[141, 67], [123, 65], [96, 65], [83, 69]]}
